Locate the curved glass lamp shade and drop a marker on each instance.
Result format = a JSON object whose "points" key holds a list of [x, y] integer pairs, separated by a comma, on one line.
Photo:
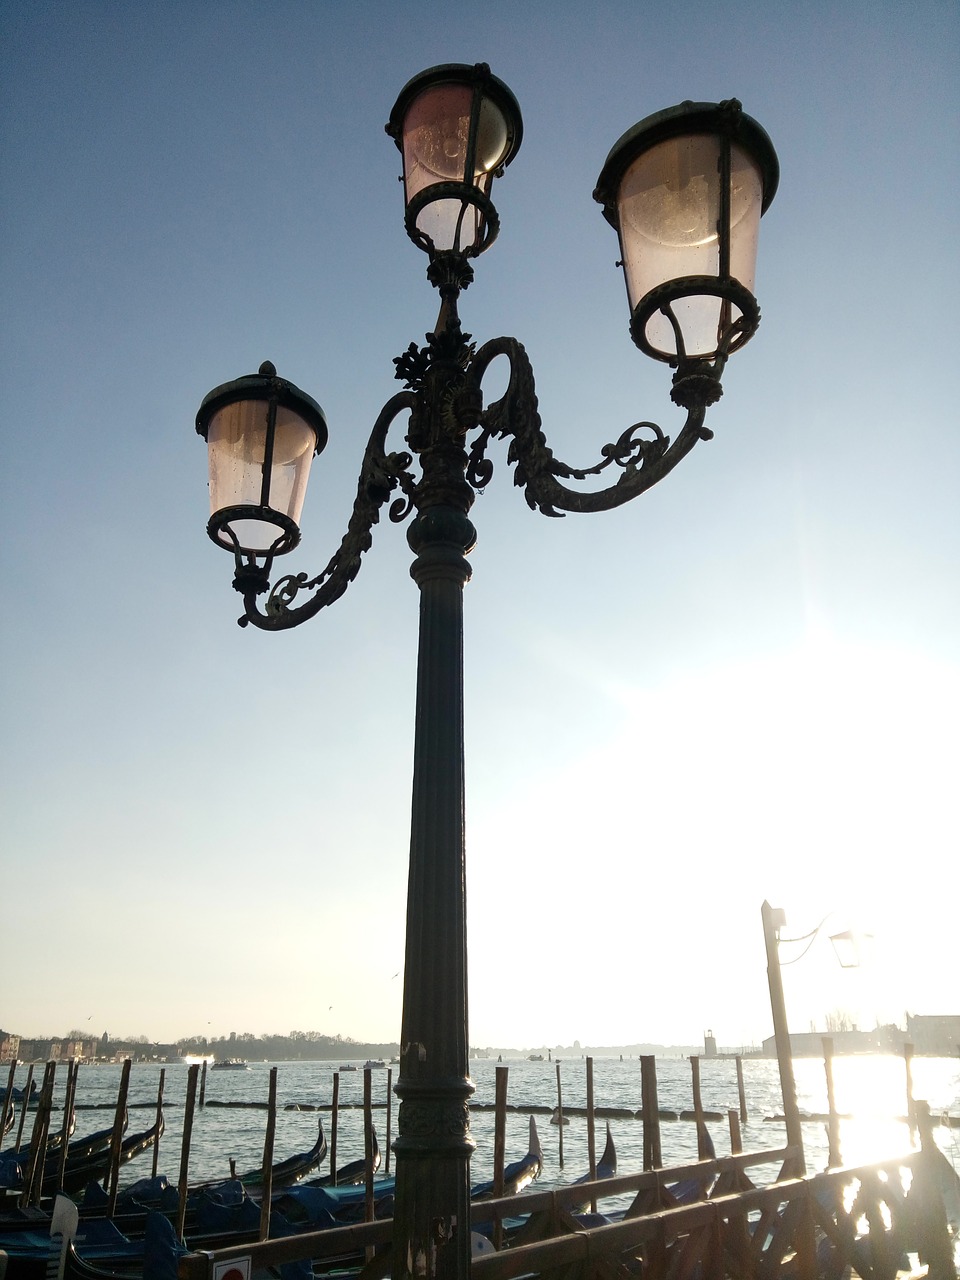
{"points": [[457, 127], [685, 189], [262, 433]]}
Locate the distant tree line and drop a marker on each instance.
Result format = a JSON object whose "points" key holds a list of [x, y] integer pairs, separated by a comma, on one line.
{"points": [[297, 1046]]}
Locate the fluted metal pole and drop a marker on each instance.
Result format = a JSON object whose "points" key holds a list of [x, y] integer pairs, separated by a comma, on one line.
{"points": [[434, 1146]]}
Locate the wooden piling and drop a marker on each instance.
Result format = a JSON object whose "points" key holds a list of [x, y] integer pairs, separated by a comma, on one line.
{"points": [[834, 1159], [591, 1132], [33, 1180], [334, 1109], [73, 1068], [23, 1108], [112, 1180], [368, 1205], [560, 1113], [203, 1084], [8, 1098], [367, 1145], [911, 1103], [156, 1141], [650, 1110], [389, 1114], [499, 1146], [736, 1139], [267, 1167], [741, 1092], [188, 1107], [703, 1148]]}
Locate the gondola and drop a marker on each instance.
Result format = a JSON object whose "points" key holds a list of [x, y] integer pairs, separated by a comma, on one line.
{"points": [[518, 1175], [14, 1164], [288, 1172], [354, 1172], [92, 1163]]}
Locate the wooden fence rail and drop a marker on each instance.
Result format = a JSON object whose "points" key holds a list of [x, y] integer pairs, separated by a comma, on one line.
{"points": [[873, 1220]]}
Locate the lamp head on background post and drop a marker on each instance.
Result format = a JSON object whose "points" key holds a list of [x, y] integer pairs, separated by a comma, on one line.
{"points": [[685, 189]]}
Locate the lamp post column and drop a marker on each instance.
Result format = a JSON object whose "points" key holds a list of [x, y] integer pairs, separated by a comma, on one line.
{"points": [[772, 919], [434, 1146]]}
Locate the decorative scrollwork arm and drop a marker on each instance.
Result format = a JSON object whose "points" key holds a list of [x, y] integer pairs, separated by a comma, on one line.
{"points": [[380, 474], [643, 452]]}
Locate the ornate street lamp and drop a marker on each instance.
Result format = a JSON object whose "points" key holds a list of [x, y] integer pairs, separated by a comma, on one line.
{"points": [[685, 190]]}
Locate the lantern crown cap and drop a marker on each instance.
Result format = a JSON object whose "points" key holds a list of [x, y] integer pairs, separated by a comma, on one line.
{"points": [[458, 73], [264, 385], [727, 119]]}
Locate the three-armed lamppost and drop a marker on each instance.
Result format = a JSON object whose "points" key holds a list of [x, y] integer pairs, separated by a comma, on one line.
{"points": [[685, 189]]}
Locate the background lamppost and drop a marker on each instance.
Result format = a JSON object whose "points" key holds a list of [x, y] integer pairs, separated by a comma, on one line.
{"points": [[685, 190], [845, 946]]}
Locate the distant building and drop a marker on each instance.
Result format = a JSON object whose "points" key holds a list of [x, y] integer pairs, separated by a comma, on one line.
{"points": [[709, 1044], [809, 1044], [934, 1036], [9, 1046]]}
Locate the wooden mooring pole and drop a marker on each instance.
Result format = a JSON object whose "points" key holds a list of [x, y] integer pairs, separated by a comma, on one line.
{"points": [[834, 1159], [736, 1139], [23, 1107], [560, 1113], [33, 1179], [8, 1098], [188, 1108], [704, 1144], [389, 1114], [112, 1181], [203, 1084], [499, 1146], [267, 1168], [159, 1117], [652, 1156], [334, 1110], [741, 1092], [73, 1068], [368, 1206], [591, 1132], [911, 1104]]}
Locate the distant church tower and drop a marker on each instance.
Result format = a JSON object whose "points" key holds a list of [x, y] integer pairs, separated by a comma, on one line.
{"points": [[709, 1044]]}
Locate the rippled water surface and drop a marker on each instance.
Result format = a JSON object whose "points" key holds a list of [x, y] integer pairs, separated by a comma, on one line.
{"points": [[871, 1090]]}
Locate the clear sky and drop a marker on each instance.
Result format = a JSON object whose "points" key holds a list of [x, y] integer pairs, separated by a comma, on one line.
{"points": [[744, 685]]}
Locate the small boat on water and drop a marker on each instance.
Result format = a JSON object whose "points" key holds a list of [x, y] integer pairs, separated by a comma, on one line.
{"points": [[230, 1064], [87, 1161], [355, 1171], [518, 1175], [286, 1173]]}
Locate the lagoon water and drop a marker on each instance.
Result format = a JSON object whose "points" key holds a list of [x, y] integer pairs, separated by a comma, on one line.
{"points": [[871, 1090]]}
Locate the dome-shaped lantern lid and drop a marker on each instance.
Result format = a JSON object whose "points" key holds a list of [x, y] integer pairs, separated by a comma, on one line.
{"points": [[457, 128]]}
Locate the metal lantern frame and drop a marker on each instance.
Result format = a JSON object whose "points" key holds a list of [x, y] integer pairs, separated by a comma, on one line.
{"points": [[482, 85], [263, 387], [727, 122]]}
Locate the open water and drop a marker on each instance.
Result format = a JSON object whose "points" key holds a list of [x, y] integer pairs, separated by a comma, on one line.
{"points": [[870, 1090]]}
